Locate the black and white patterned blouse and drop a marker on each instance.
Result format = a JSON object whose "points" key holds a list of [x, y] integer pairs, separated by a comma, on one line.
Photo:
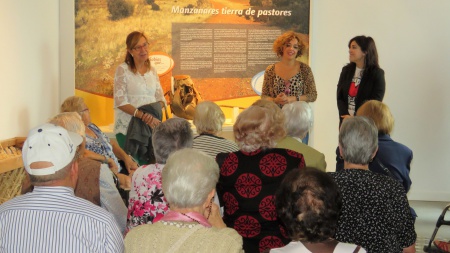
{"points": [[300, 84], [375, 212]]}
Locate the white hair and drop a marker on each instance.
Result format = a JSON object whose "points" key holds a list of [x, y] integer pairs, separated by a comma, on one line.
{"points": [[298, 118], [208, 118], [71, 121], [188, 177]]}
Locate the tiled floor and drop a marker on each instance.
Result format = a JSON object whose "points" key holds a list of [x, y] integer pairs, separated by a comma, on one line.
{"points": [[428, 213]]}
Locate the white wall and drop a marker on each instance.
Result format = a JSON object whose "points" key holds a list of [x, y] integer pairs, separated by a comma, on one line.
{"points": [[413, 38], [29, 66]]}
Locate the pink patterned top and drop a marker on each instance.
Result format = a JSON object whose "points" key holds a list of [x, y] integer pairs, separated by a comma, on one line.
{"points": [[147, 203]]}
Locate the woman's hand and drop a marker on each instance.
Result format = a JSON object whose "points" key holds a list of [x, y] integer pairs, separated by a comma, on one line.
{"points": [[214, 216], [124, 181], [150, 120], [281, 99], [112, 166], [346, 116], [130, 164]]}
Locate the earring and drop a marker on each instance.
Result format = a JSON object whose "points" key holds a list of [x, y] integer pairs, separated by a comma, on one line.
{"points": [[341, 157]]}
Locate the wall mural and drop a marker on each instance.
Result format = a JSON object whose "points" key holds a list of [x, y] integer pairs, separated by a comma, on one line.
{"points": [[223, 45]]}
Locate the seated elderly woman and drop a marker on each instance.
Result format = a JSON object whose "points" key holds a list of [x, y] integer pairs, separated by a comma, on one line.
{"points": [[309, 202], [193, 223], [249, 177], [98, 146], [392, 159], [375, 211], [298, 119], [208, 119], [95, 180], [147, 203]]}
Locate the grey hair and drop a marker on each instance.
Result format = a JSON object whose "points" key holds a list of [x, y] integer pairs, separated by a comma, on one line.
{"points": [[208, 117], [358, 139], [169, 136], [71, 121], [298, 118], [188, 177]]}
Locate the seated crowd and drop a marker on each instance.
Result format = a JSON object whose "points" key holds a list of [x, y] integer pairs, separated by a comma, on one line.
{"points": [[265, 192]]}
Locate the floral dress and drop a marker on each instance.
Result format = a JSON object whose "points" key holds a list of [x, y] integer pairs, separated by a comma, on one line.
{"points": [[147, 203]]}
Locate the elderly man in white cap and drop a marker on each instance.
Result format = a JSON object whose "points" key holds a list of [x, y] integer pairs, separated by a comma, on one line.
{"points": [[52, 218]]}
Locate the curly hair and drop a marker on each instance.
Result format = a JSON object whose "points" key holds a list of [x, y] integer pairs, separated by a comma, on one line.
{"points": [[284, 38], [309, 203], [72, 104], [259, 127]]}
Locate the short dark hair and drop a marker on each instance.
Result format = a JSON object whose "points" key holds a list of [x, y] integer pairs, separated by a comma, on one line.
{"points": [[309, 202]]}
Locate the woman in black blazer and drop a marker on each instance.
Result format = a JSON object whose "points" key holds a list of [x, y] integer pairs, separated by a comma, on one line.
{"points": [[360, 80]]}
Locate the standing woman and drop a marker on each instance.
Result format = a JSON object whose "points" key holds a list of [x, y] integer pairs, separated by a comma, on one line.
{"points": [[136, 83], [360, 80], [288, 80]]}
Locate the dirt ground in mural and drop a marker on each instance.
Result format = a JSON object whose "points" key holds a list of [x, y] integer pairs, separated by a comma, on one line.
{"points": [[96, 66]]}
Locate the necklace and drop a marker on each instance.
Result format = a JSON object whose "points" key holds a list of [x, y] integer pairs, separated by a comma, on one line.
{"points": [[190, 217]]}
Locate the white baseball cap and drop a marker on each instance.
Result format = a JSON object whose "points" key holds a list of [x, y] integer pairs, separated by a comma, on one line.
{"points": [[49, 143]]}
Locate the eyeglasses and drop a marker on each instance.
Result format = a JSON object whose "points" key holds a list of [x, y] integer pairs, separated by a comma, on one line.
{"points": [[85, 110], [139, 48]]}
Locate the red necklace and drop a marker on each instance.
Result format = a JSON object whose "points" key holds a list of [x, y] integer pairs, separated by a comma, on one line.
{"points": [[190, 217]]}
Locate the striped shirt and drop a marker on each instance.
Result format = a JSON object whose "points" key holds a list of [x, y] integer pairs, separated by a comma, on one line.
{"points": [[53, 219], [213, 145]]}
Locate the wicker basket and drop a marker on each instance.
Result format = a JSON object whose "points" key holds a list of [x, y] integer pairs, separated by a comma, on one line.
{"points": [[11, 168]]}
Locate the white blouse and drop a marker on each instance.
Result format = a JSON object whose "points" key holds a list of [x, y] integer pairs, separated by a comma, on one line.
{"points": [[134, 89]]}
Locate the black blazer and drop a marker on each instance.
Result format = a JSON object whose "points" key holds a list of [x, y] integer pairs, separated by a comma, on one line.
{"points": [[372, 87]]}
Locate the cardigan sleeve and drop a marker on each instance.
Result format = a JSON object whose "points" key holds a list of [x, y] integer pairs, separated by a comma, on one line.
{"points": [[268, 84]]}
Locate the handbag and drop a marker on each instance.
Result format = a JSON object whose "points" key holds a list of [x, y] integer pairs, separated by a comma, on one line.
{"points": [[386, 170], [184, 98]]}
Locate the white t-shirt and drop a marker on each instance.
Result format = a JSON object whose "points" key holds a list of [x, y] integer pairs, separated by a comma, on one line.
{"points": [[353, 90], [298, 247]]}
